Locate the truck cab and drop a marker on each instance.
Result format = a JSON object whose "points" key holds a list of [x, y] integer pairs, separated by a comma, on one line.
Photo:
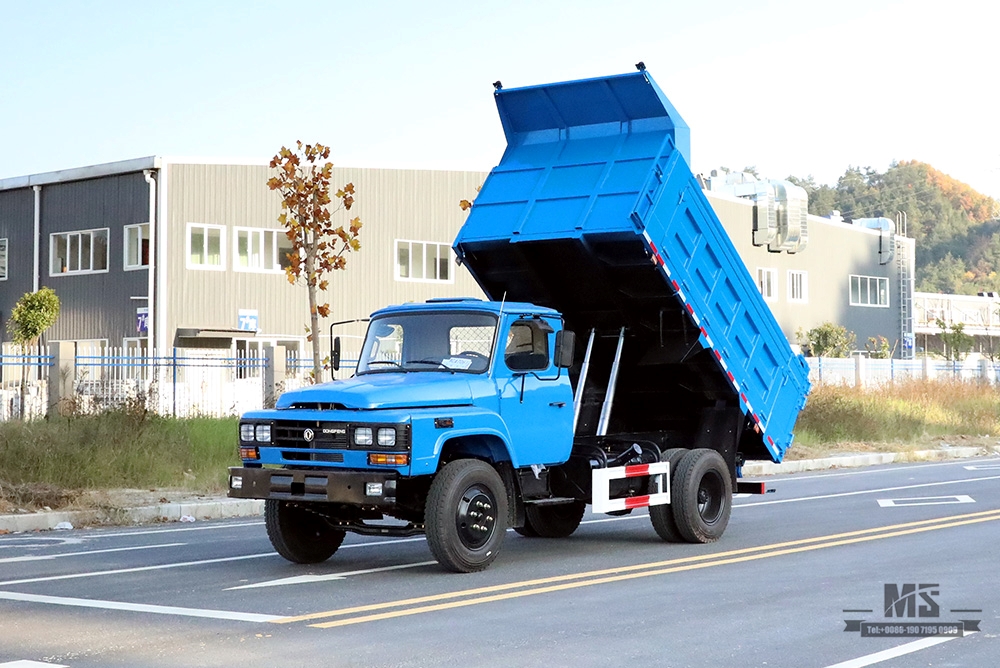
{"points": [[447, 380]]}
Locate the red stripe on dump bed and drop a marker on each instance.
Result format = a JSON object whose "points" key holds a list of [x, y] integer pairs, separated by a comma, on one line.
{"points": [[718, 355], [636, 502], [770, 440], [637, 470], [677, 288], [704, 333], [744, 398], [732, 378], [690, 308]]}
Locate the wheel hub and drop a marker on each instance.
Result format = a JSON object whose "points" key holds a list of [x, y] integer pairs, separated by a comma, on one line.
{"points": [[476, 518], [710, 498]]}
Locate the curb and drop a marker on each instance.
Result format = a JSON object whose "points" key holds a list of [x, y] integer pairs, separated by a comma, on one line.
{"points": [[854, 461], [165, 512], [225, 507]]}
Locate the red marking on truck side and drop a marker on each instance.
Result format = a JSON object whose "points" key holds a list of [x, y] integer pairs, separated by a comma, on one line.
{"points": [[636, 470], [637, 501]]}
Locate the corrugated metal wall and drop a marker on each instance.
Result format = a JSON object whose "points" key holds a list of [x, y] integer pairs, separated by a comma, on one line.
{"points": [[97, 305], [392, 204], [17, 214]]}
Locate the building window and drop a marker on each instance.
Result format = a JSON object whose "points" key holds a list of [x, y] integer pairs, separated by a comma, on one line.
{"points": [[767, 282], [798, 286], [83, 252], [423, 261], [261, 250], [205, 247], [869, 291], [136, 246], [3, 259]]}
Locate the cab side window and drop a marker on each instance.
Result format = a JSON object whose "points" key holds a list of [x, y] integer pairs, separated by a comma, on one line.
{"points": [[527, 347]]}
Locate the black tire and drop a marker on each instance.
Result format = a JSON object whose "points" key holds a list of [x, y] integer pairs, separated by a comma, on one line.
{"points": [[702, 496], [662, 516], [466, 515], [527, 530], [298, 535], [554, 521]]}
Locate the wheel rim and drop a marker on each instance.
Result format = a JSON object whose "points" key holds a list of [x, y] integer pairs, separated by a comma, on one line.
{"points": [[711, 497], [476, 519]]}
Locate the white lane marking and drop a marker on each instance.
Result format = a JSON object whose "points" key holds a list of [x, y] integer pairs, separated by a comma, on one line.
{"points": [[138, 607], [18, 541], [138, 569], [896, 467], [925, 501], [151, 532], [902, 650], [201, 562], [305, 579], [983, 467], [43, 557], [30, 664], [863, 491]]}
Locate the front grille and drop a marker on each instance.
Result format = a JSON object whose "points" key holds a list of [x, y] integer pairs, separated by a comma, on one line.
{"points": [[332, 457], [326, 435], [333, 435]]}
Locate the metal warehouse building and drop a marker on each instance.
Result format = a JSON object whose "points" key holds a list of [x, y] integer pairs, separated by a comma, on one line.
{"points": [[184, 253]]}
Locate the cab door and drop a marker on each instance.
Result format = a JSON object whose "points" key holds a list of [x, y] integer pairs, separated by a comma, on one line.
{"points": [[536, 400]]}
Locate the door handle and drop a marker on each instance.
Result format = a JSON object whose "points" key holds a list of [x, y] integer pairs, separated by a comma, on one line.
{"points": [[557, 404]]}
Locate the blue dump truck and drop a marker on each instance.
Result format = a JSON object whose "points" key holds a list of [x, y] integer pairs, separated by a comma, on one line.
{"points": [[626, 358]]}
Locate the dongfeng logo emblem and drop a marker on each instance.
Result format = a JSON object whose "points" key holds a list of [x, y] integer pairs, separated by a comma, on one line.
{"points": [[308, 434]]}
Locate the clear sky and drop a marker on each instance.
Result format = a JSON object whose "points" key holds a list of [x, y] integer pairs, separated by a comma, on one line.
{"points": [[798, 87]]}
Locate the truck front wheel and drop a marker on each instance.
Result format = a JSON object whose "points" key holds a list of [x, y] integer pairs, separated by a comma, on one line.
{"points": [[299, 535], [466, 515], [702, 496]]}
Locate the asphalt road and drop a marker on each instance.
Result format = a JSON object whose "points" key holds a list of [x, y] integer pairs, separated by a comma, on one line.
{"points": [[773, 592]]}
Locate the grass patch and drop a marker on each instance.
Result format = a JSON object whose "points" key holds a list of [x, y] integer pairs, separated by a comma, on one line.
{"points": [[116, 449], [905, 416]]}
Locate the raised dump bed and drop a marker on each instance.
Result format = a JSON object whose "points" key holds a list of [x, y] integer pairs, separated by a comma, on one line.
{"points": [[593, 211]]}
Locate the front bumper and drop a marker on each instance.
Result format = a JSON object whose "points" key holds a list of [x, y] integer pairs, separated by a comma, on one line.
{"points": [[358, 488]]}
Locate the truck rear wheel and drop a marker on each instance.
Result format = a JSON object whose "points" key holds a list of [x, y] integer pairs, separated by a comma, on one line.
{"points": [[554, 521], [466, 515], [662, 516], [702, 496], [299, 535]]}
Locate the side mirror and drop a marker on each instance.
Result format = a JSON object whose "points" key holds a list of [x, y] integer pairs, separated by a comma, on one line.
{"points": [[565, 348], [335, 354]]}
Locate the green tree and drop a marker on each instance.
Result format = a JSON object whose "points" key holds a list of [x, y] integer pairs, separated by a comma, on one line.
{"points": [[34, 313], [318, 246], [827, 340], [878, 348], [956, 342]]}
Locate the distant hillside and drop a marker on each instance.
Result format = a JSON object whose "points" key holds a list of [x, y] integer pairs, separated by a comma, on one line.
{"points": [[957, 229]]}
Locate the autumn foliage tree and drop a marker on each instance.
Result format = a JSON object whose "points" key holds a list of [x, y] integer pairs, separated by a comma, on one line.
{"points": [[319, 245]]}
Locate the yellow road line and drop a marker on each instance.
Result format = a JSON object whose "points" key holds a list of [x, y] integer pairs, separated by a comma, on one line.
{"points": [[634, 576], [696, 562]]}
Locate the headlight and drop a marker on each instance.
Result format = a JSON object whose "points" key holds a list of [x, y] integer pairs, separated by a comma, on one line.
{"points": [[246, 431], [387, 437], [363, 436], [264, 433]]}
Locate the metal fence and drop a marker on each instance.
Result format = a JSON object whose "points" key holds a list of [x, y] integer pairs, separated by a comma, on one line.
{"points": [[864, 372], [175, 382], [187, 382]]}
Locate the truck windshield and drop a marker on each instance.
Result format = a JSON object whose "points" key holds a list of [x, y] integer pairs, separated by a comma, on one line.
{"points": [[440, 341]]}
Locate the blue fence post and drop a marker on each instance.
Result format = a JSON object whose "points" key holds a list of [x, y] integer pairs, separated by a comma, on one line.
{"points": [[174, 364]]}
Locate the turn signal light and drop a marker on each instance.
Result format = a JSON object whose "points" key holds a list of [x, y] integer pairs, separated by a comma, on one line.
{"points": [[249, 453], [383, 459]]}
